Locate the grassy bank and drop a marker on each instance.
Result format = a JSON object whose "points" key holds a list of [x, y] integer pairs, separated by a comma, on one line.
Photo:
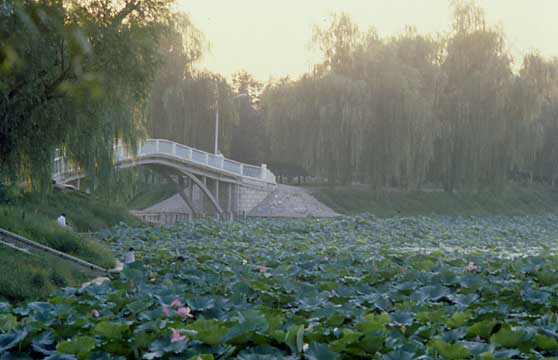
{"points": [[25, 277], [151, 196], [511, 201], [83, 213]]}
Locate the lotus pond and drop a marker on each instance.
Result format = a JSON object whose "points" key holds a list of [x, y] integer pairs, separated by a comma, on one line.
{"points": [[350, 288]]}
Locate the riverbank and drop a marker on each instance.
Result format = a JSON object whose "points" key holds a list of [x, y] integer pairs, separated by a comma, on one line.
{"points": [[387, 203], [24, 277]]}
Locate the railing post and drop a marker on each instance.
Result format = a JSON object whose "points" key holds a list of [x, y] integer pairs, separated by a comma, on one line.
{"points": [[174, 148], [206, 159], [242, 169], [221, 163], [263, 172], [156, 146], [189, 154]]}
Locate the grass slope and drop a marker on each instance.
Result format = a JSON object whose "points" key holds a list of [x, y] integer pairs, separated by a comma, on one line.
{"points": [[24, 277], [513, 201], [154, 195], [83, 213]]}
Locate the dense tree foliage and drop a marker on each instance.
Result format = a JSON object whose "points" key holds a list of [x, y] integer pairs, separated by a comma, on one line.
{"points": [[183, 100], [413, 109], [404, 111], [75, 76]]}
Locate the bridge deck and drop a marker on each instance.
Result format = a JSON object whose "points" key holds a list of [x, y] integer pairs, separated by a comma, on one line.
{"points": [[165, 149]]}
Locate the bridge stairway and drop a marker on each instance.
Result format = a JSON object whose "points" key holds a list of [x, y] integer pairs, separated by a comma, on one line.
{"points": [[29, 247]]}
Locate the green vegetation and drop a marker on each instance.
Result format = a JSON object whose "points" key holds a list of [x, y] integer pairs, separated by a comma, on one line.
{"points": [[28, 215], [396, 111], [23, 277], [44, 230], [83, 213], [408, 109], [351, 288], [152, 195], [102, 58], [512, 201]]}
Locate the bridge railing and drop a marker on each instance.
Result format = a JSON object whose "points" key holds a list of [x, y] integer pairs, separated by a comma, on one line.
{"points": [[169, 148]]}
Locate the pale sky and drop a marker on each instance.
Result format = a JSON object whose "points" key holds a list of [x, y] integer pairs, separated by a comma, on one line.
{"points": [[269, 38]]}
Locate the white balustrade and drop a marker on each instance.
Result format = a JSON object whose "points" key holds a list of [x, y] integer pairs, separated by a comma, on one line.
{"points": [[169, 148], [213, 160], [251, 171], [183, 152], [232, 166]]}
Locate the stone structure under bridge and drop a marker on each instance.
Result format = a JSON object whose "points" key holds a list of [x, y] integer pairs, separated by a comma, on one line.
{"points": [[210, 185]]}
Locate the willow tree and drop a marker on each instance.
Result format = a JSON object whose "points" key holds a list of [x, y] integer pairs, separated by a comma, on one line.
{"points": [[411, 109], [546, 159], [337, 43], [397, 135], [472, 103], [339, 98], [79, 83], [249, 142], [532, 94], [183, 100], [283, 109]]}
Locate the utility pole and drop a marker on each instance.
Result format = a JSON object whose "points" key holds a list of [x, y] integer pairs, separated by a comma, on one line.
{"points": [[216, 142], [216, 151]]}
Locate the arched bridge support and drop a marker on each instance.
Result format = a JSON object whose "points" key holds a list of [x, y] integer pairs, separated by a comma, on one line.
{"points": [[187, 192], [208, 183]]}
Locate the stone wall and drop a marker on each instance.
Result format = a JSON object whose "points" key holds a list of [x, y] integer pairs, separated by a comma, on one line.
{"points": [[244, 197], [249, 197]]}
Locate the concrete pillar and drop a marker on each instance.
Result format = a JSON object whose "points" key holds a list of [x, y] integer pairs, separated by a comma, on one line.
{"points": [[229, 198], [203, 198], [217, 192]]}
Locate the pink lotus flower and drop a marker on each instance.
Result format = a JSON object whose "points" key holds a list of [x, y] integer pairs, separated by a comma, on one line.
{"points": [[166, 311], [263, 268], [176, 303], [176, 336], [95, 313], [471, 266], [185, 311]]}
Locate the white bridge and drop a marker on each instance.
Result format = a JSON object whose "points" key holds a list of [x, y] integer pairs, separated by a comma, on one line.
{"points": [[208, 183]]}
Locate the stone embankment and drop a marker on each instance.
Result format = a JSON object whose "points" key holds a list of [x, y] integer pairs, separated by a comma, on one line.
{"points": [[292, 202], [284, 202]]}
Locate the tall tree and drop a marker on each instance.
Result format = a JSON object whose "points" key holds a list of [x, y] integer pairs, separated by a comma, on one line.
{"points": [[249, 143], [79, 82], [472, 106]]}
